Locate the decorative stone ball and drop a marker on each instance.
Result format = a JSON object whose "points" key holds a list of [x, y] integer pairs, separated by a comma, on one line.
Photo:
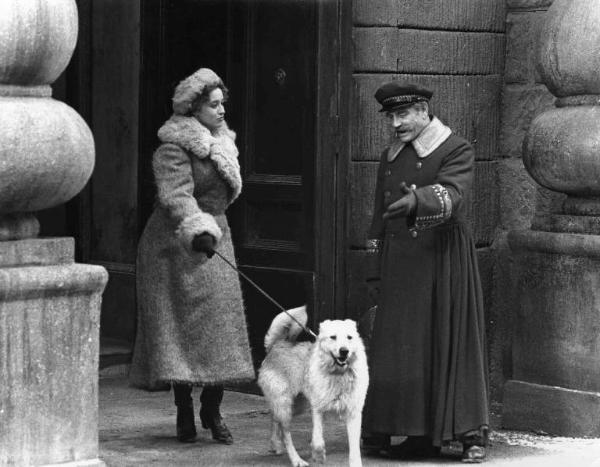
{"points": [[568, 58], [37, 39], [561, 150], [46, 153]]}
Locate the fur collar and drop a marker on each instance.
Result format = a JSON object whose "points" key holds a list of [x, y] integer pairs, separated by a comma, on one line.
{"points": [[432, 136], [191, 135]]}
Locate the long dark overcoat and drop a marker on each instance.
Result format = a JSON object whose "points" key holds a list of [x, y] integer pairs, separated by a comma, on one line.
{"points": [[427, 353], [191, 323]]}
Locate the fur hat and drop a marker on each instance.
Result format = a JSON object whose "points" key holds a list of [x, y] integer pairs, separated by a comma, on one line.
{"points": [[188, 90]]}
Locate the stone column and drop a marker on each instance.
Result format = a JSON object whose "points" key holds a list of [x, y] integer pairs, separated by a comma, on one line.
{"points": [[556, 348], [49, 305]]}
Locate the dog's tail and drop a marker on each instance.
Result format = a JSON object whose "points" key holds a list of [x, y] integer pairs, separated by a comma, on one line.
{"points": [[284, 327]]}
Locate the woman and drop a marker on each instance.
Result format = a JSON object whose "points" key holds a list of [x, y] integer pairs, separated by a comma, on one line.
{"points": [[191, 325]]}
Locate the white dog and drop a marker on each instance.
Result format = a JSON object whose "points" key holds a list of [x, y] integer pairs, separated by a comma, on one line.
{"points": [[332, 374]]}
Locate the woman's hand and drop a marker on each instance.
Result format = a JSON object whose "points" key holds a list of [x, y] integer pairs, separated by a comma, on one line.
{"points": [[204, 243]]}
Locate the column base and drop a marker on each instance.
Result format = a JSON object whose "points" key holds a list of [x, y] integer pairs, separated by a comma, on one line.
{"points": [[83, 463], [49, 340], [551, 409]]}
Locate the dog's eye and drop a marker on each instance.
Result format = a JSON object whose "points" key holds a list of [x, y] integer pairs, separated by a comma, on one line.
{"points": [[349, 338], [333, 337]]}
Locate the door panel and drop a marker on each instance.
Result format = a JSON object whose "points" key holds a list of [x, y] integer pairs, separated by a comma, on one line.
{"points": [[272, 221]]}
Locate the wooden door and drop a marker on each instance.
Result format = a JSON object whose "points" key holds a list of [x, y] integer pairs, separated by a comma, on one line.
{"points": [[281, 62]]}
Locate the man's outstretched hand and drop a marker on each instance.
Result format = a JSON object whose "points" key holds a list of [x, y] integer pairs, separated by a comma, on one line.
{"points": [[403, 207]]}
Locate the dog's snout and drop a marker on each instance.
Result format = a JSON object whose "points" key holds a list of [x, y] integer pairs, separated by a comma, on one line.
{"points": [[343, 352]]}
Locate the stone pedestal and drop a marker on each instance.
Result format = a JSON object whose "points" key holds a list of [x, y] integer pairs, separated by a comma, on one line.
{"points": [[555, 386], [556, 372], [49, 323]]}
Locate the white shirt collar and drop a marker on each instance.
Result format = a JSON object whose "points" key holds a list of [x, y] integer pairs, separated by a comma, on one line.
{"points": [[430, 138]]}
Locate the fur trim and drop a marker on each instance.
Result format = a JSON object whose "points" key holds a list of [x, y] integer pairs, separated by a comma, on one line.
{"points": [[199, 223], [432, 136], [283, 327], [191, 135], [188, 90]]}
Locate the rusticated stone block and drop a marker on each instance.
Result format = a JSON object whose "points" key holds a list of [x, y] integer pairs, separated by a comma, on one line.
{"points": [[417, 51], [528, 4], [482, 210], [522, 31], [363, 177], [460, 15], [517, 192], [554, 410], [358, 301], [482, 204], [520, 105], [468, 104]]}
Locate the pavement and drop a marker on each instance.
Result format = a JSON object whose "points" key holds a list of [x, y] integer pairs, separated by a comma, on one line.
{"points": [[137, 428]]}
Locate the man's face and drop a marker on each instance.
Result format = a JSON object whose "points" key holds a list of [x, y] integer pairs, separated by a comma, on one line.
{"points": [[408, 122]]}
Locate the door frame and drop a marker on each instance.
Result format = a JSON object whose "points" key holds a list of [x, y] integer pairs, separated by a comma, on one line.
{"points": [[334, 58]]}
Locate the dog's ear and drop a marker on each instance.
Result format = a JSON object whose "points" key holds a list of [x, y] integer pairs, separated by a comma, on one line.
{"points": [[351, 323], [323, 326]]}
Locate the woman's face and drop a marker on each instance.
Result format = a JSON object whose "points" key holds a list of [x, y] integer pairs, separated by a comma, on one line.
{"points": [[211, 112]]}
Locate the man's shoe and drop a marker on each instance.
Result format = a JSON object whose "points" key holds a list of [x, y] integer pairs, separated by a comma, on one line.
{"points": [[473, 454], [186, 426], [414, 447], [375, 443]]}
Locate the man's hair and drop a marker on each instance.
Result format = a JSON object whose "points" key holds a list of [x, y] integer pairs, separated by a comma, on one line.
{"points": [[423, 105]]}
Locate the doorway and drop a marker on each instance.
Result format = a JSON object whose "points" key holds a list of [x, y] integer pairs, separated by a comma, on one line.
{"points": [[288, 67]]}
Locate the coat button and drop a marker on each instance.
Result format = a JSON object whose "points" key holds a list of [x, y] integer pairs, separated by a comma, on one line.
{"points": [[413, 233], [388, 173], [419, 165], [387, 194]]}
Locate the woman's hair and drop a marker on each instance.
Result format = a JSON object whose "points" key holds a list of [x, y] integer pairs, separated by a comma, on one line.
{"points": [[202, 98], [201, 83]]}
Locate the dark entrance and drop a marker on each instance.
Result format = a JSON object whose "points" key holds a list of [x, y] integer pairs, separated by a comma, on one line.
{"points": [[282, 62]]}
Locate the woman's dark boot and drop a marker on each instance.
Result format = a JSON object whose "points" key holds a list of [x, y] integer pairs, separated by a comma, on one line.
{"points": [[210, 415], [186, 426]]}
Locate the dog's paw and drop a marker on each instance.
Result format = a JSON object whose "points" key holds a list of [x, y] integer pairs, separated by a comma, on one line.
{"points": [[318, 454], [299, 462], [356, 462], [276, 446]]}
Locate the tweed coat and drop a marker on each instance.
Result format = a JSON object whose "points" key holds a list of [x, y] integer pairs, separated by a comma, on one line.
{"points": [[191, 323], [427, 349]]}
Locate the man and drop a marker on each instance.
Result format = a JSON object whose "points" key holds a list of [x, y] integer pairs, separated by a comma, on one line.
{"points": [[427, 351]]}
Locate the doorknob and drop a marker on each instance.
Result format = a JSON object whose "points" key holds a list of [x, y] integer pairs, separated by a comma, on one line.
{"points": [[280, 76]]}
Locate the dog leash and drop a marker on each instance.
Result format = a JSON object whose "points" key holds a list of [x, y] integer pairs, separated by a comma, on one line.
{"points": [[304, 328]]}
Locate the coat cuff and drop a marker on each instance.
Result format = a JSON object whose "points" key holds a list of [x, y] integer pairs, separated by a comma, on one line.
{"points": [[434, 206], [197, 224]]}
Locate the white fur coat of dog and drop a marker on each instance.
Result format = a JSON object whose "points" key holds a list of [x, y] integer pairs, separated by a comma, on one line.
{"points": [[332, 374]]}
